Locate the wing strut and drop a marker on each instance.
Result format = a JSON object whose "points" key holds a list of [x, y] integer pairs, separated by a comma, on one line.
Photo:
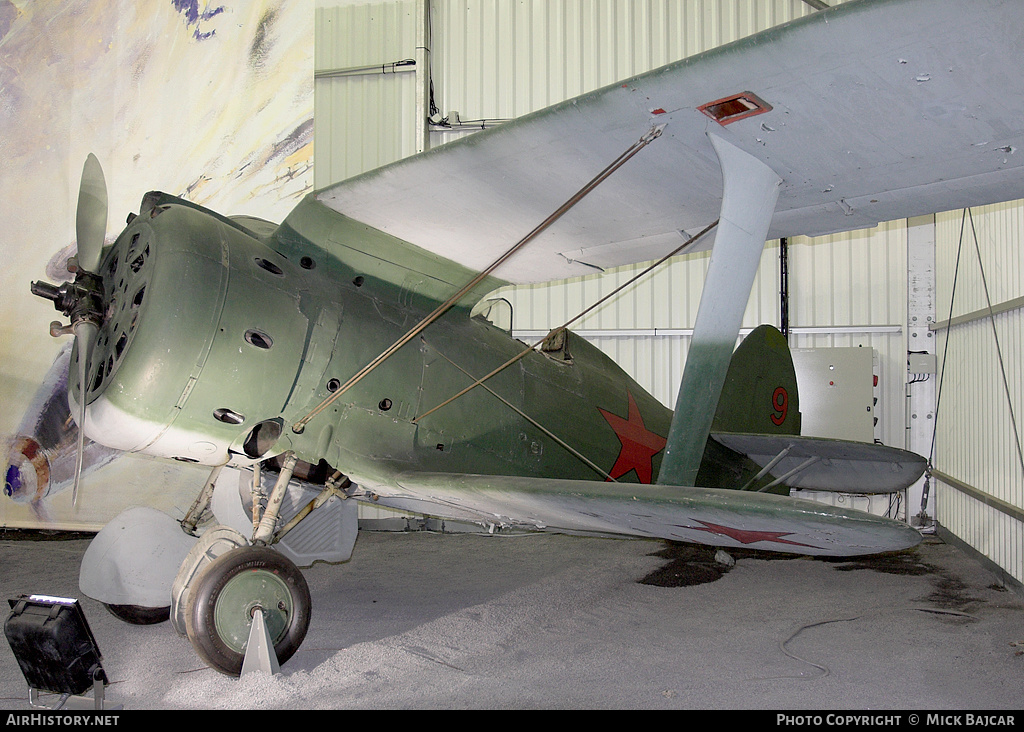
{"points": [[751, 190]]}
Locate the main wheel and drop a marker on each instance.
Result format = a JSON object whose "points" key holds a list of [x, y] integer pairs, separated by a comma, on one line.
{"points": [[230, 590]]}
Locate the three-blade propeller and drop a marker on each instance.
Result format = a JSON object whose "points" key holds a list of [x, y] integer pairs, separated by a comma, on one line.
{"points": [[82, 299]]}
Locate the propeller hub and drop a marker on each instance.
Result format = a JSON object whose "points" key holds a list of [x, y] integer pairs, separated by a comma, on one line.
{"points": [[81, 300]]}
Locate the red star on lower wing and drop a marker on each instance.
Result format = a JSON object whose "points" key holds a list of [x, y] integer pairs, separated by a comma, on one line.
{"points": [[747, 537], [639, 445]]}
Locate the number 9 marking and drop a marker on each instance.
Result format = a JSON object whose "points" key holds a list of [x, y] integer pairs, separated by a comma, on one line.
{"points": [[780, 405]]}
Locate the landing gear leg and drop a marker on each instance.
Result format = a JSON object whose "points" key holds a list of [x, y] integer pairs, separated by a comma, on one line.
{"points": [[226, 594], [202, 502]]}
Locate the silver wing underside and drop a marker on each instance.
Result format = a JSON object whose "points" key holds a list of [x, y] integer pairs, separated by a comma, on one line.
{"points": [[726, 518], [879, 110]]}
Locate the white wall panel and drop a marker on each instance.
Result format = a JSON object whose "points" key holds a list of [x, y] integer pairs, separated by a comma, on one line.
{"points": [[982, 387], [363, 121], [495, 59]]}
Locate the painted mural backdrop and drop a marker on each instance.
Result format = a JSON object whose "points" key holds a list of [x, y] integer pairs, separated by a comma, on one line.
{"points": [[209, 101]]}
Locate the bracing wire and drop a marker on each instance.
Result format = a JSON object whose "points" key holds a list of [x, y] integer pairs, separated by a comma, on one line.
{"points": [[647, 138], [999, 350], [968, 216], [678, 250], [945, 345]]}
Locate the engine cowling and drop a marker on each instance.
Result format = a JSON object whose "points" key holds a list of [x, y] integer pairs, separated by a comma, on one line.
{"points": [[201, 342]]}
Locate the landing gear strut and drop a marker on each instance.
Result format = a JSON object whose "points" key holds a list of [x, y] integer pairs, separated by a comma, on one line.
{"points": [[219, 579], [226, 593]]}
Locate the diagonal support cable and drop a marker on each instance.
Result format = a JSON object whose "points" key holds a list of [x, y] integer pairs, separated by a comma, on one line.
{"points": [[945, 350], [576, 453], [678, 250], [999, 350], [653, 134], [968, 216]]}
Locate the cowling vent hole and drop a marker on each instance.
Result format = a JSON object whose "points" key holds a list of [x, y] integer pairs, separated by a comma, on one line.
{"points": [[139, 261], [259, 339], [269, 266], [228, 416]]}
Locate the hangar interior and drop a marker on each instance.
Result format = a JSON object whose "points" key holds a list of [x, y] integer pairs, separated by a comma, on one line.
{"points": [[908, 333]]}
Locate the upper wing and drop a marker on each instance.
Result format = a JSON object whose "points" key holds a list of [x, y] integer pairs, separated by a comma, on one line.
{"points": [[700, 515], [879, 110]]}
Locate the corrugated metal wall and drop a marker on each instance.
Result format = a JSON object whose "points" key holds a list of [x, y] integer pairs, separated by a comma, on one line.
{"points": [[501, 59], [363, 119], [980, 491], [496, 59]]}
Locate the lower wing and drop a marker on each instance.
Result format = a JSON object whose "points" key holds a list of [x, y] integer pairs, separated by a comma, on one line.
{"points": [[725, 518]]}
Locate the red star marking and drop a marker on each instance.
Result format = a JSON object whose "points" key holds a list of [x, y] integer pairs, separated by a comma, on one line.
{"points": [[747, 537], [639, 445]]}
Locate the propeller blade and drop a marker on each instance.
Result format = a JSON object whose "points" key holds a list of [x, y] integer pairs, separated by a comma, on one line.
{"points": [[91, 219], [85, 337]]}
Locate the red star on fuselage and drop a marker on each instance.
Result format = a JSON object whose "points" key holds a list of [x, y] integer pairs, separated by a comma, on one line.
{"points": [[639, 445]]}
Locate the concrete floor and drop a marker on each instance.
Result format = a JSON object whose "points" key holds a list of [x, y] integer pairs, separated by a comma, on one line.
{"points": [[451, 621]]}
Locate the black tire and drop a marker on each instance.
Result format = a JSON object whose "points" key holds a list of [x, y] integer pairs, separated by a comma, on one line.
{"points": [[139, 615], [224, 596]]}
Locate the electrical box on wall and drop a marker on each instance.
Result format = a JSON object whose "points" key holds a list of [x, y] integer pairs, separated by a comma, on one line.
{"points": [[837, 392], [922, 363]]}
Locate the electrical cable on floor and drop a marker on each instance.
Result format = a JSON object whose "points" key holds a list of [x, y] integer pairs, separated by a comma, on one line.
{"points": [[938, 611], [823, 669], [782, 646]]}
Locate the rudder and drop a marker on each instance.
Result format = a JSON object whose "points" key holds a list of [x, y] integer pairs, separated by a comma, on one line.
{"points": [[760, 393]]}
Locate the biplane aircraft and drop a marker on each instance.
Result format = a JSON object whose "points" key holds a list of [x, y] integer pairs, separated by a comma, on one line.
{"points": [[312, 365]]}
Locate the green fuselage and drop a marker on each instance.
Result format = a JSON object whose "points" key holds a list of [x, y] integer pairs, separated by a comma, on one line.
{"points": [[221, 334]]}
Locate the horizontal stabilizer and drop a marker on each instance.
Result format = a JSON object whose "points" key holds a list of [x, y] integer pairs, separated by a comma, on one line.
{"points": [[725, 518], [821, 464]]}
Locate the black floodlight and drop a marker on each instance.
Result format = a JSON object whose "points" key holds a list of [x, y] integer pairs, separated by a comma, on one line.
{"points": [[55, 647]]}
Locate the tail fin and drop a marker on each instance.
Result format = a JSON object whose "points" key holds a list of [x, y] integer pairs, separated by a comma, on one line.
{"points": [[760, 392]]}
